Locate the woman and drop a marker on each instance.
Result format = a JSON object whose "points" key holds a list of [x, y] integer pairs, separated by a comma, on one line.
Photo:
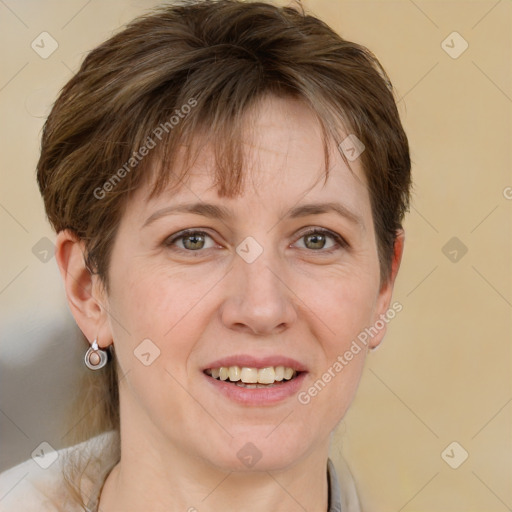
{"points": [[227, 181]]}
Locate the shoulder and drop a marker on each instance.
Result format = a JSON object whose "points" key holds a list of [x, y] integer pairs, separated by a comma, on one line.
{"points": [[37, 484]]}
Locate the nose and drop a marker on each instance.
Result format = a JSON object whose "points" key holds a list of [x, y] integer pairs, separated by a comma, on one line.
{"points": [[259, 301]]}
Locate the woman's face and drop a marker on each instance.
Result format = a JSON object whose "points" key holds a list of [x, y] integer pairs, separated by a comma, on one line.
{"points": [[252, 289]]}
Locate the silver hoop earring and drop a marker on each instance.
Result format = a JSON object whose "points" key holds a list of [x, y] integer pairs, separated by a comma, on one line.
{"points": [[95, 357]]}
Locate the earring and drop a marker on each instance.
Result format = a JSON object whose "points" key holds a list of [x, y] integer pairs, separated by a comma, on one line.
{"points": [[95, 357]]}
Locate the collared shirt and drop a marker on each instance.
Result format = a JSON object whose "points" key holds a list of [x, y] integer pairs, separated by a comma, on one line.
{"points": [[37, 485]]}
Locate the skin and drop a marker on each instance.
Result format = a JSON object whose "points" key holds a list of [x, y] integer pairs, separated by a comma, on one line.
{"points": [[179, 436]]}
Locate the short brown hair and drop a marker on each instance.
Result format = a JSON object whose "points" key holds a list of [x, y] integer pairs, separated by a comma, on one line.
{"points": [[219, 58], [223, 55]]}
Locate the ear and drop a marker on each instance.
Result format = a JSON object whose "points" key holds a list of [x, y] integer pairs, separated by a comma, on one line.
{"points": [[382, 316], [84, 291]]}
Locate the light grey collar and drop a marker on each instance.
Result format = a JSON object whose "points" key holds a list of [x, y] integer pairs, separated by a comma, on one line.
{"points": [[334, 488]]}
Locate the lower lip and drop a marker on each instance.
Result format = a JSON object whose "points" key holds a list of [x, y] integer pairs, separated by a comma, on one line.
{"points": [[258, 396]]}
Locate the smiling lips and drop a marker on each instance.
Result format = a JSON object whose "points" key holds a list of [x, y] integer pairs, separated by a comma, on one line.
{"points": [[252, 377], [262, 381]]}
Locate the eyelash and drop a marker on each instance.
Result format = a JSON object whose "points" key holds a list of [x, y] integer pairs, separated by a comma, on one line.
{"points": [[340, 241]]}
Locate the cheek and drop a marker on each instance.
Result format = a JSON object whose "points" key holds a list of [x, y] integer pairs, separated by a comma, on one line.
{"points": [[345, 303], [155, 323], [159, 304], [345, 306], [146, 300]]}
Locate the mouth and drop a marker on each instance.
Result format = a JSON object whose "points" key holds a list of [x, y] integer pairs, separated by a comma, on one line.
{"points": [[253, 377], [253, 381]]}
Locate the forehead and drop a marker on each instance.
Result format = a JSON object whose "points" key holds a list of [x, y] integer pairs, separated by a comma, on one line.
{"points": [[284, 164]]}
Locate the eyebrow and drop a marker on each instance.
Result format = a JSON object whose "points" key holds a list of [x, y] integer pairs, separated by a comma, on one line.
{"points": [[222, 213]]}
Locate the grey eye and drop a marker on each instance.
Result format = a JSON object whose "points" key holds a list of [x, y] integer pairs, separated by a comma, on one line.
{"points": [[191, 240], [318, 239]]}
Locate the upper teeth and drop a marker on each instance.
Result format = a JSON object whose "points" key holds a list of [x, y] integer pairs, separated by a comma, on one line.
{"points": [[248, 375]]}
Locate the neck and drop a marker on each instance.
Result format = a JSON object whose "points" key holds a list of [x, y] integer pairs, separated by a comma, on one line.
{"points": [[157, 477]]}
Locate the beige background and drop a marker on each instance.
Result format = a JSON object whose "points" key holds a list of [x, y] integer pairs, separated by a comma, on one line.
{"points": [[443, 373]]}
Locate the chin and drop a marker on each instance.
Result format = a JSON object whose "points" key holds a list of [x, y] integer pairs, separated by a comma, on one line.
{"points": [[260, 449]]}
